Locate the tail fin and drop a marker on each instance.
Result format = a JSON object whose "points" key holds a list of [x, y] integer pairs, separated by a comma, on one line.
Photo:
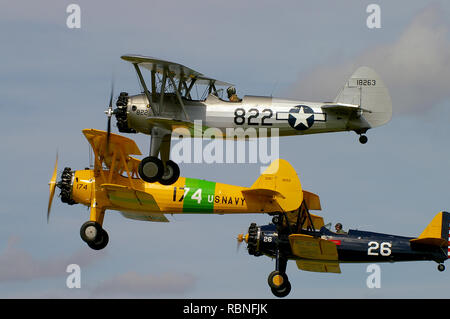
{"points": [[280, 182], [437, 231], [366, 89]]}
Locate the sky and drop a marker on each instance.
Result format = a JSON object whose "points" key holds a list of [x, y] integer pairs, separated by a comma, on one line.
{"points": [[55, 81]]}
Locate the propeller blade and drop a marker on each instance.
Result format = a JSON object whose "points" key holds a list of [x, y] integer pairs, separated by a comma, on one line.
{"points": [[109, 113], [240, 238], [52, 186]]}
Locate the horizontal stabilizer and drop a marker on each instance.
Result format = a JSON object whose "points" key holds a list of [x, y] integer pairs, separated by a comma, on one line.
{"points": [[345, 108], [439, 242], [312, 201]]}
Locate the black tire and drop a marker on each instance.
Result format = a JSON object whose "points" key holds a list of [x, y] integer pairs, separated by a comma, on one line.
{"points": [[277, 280], [281, 293], [90, 231], [173, 173], [363, 139], [441, 267], [101, 243], [151, 169]]}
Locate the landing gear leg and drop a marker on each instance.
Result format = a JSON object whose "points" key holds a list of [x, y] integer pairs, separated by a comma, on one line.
{"points": [[278, 280]]}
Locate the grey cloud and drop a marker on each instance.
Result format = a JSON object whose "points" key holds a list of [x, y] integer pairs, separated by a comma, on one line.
{"points": [[17, 264], [415, 67], [132, 283]]}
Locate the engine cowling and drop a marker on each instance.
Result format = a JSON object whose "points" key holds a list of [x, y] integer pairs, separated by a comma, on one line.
{"points": [[262, 240], [121, 113]]}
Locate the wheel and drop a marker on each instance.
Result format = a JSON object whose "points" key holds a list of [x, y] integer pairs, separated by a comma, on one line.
{"points": [[90, 231], [277, 280], [101, 243], [281, 293], [363, 139], [441, 267], [171, 173], [151, 169]]}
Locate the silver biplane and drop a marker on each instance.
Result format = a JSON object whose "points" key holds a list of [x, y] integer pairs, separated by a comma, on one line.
{"points": [[167, 103]]}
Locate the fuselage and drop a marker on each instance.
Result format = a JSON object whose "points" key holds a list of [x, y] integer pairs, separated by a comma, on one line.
{"points": [[257, 116], [355, 246], [186, 195]]}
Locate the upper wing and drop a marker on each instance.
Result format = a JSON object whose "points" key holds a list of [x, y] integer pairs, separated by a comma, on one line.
{"points": [[116, 155], [178, 70]]}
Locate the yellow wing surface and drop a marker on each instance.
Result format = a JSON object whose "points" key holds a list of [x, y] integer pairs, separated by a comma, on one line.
{"points": [[316, 254], [115, 154], [133, 203]]}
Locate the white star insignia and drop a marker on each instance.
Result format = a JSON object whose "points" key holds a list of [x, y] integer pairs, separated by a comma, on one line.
{"points": [[300, 118]]}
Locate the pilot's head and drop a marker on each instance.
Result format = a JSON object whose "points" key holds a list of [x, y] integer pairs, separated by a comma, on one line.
{"points": [[338, 226], [231, 91]]}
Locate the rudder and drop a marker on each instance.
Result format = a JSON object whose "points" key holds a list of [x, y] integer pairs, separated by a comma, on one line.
{"points": [[436, 233], [366, 89], [281, 181]]}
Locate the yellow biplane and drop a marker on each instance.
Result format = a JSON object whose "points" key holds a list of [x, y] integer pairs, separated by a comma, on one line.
{"points": [[114, 184]]}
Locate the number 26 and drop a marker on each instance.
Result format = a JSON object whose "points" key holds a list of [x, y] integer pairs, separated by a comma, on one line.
{"points": [[384, 249]]}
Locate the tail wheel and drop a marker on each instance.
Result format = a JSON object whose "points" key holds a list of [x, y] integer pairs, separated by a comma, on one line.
{"points": [[441, 267], [363, 139], [171, 173]]}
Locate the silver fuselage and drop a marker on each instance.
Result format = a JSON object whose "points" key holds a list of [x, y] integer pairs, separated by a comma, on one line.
{"points": [[263, 114]]}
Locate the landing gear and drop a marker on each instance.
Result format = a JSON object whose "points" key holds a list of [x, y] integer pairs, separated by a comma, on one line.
{"points": [[152, 169], [171, 173], [441, 267], [279, 284], [363, 139], [94, 235], [278, 280]]}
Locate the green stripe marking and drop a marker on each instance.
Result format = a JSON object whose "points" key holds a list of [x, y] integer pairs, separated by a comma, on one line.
{"points": [[198, 196]]}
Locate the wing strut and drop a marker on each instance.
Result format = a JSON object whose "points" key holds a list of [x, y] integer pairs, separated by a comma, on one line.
{"points": [[147, 93], [179, 97]]}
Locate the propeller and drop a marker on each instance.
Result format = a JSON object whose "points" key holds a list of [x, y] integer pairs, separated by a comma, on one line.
{"points": [[240, 238], [52, 186], [109, 112]]}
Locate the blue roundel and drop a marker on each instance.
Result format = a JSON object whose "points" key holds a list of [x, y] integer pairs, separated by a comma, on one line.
{"points": [[301, 117]]}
